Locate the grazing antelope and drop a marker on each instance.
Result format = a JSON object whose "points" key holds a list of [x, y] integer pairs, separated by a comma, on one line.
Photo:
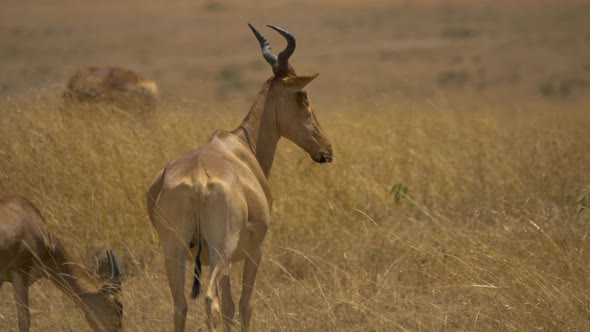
{"points": [[29, 251], [122, 87], [215, 200]]}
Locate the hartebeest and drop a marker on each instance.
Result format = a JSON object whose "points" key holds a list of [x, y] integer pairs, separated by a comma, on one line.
{"points": [[29, 251], [216, 199], [122, 87]]}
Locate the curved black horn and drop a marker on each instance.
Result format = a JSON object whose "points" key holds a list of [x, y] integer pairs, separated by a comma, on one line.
{"points": [[113, 265], [283, 59], [265, 46]]}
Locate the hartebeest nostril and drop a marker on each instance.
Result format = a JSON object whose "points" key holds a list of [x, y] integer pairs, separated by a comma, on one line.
{"points": [[325, 158], [328, 156]]}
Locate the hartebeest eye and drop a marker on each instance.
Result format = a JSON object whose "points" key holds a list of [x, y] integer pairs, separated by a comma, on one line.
{"points": [[302, 95]]}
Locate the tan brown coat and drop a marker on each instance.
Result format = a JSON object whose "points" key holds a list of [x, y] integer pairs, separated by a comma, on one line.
{"points": [[122, 87], [29, 251], [216, 199]]}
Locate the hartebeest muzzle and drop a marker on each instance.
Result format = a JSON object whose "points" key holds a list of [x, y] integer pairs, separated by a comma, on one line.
{"points": [[324, 157]]}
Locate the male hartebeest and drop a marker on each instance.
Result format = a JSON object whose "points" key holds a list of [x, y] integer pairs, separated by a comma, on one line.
{"points": [[216, 199], [29, 251], [122, 87]]}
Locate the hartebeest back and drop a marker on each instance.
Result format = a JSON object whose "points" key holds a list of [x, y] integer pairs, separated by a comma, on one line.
{"points": [[122, 87], [216, 199], [29, 251]]}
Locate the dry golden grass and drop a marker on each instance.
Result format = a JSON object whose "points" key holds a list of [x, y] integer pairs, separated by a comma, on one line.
{"points": [[457, 199], [491, 233]]}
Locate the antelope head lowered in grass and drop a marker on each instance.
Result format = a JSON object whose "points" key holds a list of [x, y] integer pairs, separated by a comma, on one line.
{"points": [[28, 251], [213, 203]]}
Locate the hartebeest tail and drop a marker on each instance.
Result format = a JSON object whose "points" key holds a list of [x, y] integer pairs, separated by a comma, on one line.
{"points": [[197, 274]]}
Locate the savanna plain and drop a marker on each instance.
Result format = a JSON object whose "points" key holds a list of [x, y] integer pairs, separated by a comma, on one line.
{"points": [[457, 199]]}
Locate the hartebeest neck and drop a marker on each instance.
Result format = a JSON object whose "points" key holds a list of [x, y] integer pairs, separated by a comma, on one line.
{"points": [[260, 128], [71, 278]]}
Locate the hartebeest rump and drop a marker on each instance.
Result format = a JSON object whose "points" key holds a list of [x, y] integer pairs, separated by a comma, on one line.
{"points": [[122, 87], [29, 251], [216, 199]]}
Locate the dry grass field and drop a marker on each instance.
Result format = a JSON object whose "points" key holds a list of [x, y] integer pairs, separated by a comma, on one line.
{"points": [[459, 195]]}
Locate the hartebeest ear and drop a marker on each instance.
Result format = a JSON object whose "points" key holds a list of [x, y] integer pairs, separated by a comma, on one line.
{"points": [[297, 83]]}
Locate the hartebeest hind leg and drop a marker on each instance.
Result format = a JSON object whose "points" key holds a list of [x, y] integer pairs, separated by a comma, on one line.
{"points": [[220, 286], [20, 288], [227, 215], [228, 307], [174, 259], [175, 230], [249, 277]]}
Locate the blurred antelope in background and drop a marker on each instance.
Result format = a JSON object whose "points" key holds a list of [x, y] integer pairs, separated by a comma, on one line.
{"points": [[29, 251], [121, 87], [215, 200]]}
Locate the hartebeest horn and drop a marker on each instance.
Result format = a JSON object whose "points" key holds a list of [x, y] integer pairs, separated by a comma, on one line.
{"points": [[279, 64], [265, 46], [113, 265], [283, 61]]}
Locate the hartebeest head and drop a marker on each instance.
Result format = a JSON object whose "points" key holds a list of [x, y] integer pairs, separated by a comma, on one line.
{"points": [[296, 119], [104, 310]]}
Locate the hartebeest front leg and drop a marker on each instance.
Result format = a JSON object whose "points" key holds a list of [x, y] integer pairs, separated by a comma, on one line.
{"points": [[20, 288]]}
